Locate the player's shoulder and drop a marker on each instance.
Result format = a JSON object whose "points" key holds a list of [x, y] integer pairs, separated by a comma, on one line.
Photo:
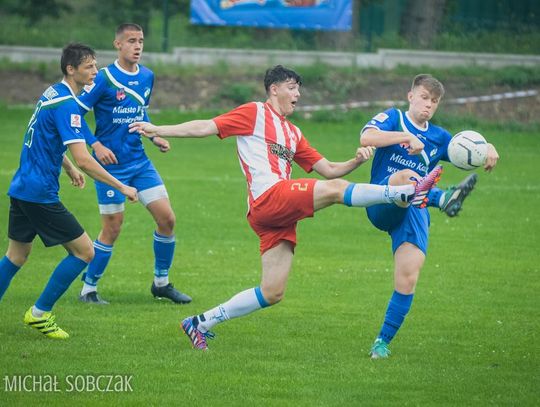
{"points": [[57, 94], [387, 116], [439, 134], [144, 70]]}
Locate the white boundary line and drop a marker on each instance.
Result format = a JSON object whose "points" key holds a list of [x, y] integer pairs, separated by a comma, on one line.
{"points": [[389, 103]]}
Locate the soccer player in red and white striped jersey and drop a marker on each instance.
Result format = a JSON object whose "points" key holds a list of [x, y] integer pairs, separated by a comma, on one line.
{"points": [[268, 143]]}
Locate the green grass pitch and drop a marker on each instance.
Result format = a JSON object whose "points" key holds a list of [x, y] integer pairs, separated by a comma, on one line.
{"points": [[470, 339]]}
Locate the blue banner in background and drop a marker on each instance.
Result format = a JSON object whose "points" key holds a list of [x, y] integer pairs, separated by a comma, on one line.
{"points": [[327, 15]]}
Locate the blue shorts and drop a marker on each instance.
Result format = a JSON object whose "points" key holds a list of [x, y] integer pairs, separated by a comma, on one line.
{"points": [[402, 224], [142, 176]]}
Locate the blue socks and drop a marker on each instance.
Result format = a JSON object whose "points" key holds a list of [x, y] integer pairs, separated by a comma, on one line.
{"points": [[434, 196], [103, 253], [398, 307], [164, 252], [7, 272], [61, 278]]}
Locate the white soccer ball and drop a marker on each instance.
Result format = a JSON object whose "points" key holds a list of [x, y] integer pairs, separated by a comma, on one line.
{"points": [[467, 150]]}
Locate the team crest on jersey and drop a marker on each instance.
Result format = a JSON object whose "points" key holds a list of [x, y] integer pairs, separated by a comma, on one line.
{"points": [[120, 94], [88, 88], [76, 120], [381, 117], [50, 93]]}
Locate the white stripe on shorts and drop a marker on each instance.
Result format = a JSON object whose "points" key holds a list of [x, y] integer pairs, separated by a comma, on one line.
{"points": [[152, 194]]}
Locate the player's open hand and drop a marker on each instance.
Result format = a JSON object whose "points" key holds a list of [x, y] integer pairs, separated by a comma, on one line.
{"points": [[77, 178], [104, 155], [363, 154], [144, 129], [492, 157], [130, 193], [162, 144]]}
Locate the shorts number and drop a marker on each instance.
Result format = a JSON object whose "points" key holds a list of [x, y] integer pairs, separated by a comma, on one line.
{"points": [[299, 186]]}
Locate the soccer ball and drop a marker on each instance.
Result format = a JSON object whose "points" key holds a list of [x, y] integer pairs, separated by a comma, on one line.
{"points": [[467, 150]]}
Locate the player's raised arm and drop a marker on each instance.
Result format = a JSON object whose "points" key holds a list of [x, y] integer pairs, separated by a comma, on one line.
{"points": [[492, 157], [382, 138], [194, 128], [331, 170]]}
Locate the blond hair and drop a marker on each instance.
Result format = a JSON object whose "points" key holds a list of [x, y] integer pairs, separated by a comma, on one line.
{"points": [[432, 85]]}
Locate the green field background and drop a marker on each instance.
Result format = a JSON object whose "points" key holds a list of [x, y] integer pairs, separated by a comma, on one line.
{"points": [[470, 339]]}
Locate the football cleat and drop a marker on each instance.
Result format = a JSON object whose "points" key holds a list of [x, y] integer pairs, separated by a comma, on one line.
{"points": [[197, 338], [168, 291], [379, 350], [45, 324], [93, 297], [424, 185], [455, 195]]}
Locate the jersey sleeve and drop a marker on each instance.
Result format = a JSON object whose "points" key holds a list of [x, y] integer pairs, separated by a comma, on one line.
{"points": [[306, 156], [88, 135], [446, 136], [386, 121], [237, 122], [91, 94], [69, 123]]}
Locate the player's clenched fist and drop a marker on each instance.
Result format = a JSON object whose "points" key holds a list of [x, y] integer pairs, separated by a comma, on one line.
{"points": [[364, 153]]}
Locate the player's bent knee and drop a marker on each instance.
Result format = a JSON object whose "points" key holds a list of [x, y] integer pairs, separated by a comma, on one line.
{"points": [[17, 258], [167, 222]]}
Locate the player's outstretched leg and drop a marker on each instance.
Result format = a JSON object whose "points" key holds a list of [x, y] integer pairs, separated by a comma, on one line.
{"points": [[45, 324], [453, 197], [197, 338], [424, 185]]}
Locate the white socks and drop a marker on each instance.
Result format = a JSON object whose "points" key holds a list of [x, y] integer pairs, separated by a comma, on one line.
{"points": [[161, 281], [243, 303], [87, 288], [370, 194]]}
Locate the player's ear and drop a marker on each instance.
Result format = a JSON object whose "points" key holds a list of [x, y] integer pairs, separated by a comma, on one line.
{"points": [[116, 44]]}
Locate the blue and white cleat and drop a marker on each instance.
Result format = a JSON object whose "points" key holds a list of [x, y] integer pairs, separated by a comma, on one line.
{"points": [[379, 350]]}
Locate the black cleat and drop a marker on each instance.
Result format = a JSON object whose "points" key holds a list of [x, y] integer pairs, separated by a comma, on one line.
{"points": [[454, 196], [168, 291], [92, 297]]}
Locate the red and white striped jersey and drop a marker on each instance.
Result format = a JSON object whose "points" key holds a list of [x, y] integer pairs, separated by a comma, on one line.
{"points": [[268, 146]]}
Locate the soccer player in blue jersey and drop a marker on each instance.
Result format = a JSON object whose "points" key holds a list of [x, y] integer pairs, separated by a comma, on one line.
{"points": [[408, 145], [35, 209], [119, 96]]}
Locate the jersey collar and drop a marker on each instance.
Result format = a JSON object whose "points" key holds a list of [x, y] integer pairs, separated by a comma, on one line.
{"points": [[425, 128], [274, 111], [124, 71]]}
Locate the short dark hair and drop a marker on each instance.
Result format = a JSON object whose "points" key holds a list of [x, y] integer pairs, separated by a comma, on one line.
{"points": [[279, 74], [431, 84], [127, 27], [74, 54]]}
